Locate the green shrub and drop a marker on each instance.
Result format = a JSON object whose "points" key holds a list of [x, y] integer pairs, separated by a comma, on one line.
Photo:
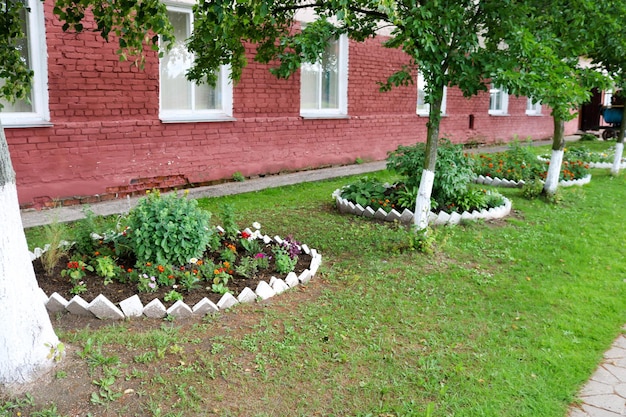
{"points": [[169, 230], [588, 137], [453, 170]]}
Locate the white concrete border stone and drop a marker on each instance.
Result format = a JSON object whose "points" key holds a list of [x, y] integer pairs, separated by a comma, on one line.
{"points": [[406, 217]]}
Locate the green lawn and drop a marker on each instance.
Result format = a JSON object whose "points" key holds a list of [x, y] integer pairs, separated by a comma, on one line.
{"points": [[503, 319]]}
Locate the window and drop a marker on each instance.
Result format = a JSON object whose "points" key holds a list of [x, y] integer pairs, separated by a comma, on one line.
{"points": [[533, 108], [182, 100], [324, 84], [498, 101], [423, 108], [608, 97], [34, 110]]}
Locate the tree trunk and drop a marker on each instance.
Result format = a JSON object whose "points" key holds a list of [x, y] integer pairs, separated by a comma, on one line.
{"points": [[556, 159], [619, 146], [26, 334], [422, 203]]}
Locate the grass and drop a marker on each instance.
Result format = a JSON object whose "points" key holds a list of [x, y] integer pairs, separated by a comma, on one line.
{"points": [[506, 319]]}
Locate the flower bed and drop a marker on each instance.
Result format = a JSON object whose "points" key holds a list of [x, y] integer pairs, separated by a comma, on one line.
{"points": [[164, 258], [110, 306], [519, 165], [436, 219]]}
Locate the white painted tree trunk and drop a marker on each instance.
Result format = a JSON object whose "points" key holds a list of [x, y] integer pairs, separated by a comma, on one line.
{"points": [[422, 204], [552, 180], [617, 160], [26, 334]]}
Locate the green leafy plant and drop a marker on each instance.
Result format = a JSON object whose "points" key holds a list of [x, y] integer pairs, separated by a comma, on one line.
{"points": [[284, 262], [365, 191], [453, 172], [169, 230], [84, 242], [173, 296], [238, 176], [106, 267], [76, 270], [588, 137], [247, 267]]}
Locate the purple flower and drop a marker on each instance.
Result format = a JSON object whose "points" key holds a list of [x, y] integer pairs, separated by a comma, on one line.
{"points": [[152, 285], [259, 255]]}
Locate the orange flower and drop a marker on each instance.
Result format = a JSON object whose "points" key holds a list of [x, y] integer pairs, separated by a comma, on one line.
{"points": [[148, 264], [160, 268], [226, 264], [216, 271], [200, 262], [129, 270], [195, 271], [96, 253]]}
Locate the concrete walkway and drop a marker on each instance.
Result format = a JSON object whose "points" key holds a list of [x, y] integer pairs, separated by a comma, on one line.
{"points": [[603, 396]]}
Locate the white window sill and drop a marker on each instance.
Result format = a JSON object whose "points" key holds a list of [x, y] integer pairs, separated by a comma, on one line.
{"points": [[427, 115], [26, 124], [499, 114], [324, 116], [534, 114], [182, 119]]}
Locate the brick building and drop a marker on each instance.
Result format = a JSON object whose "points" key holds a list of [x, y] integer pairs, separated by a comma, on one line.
{"points": [[97, 128]]}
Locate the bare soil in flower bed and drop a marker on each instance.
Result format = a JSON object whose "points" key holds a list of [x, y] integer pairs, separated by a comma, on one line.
{"points": [[116, 291]]}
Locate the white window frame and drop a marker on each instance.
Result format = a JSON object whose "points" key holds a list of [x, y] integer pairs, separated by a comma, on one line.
{"points": [[40, 114], [425, 109], [225, 113], [504, 101], [533, 108], [608, 96], [342, 110]]}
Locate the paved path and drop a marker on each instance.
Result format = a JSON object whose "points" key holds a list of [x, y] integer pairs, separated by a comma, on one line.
{"points": [[603, 396]]}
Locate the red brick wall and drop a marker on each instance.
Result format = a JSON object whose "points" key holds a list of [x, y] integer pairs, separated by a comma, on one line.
{"points": [[107, 139]]}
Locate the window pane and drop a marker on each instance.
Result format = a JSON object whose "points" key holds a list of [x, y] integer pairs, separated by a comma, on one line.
{"points": [[309, 86], [330, 77], [208, 98], [177, 93], [495, 99], [422, 106], [24, 105], [175, 89]]}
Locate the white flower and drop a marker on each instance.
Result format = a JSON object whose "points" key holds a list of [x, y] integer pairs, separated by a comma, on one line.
{"points": [[256, 225], [193, 260]]}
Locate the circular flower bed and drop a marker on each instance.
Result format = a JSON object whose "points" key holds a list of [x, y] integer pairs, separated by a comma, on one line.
{"points": [[519, 165], [164, 258]]}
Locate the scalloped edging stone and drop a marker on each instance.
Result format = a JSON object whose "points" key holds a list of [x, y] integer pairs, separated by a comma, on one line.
{"points": [[439, 219], [605, 165], [501, 182], [104, 309]]}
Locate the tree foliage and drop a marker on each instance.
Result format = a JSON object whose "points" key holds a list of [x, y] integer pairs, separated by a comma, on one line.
{"points": [[136, 24]]}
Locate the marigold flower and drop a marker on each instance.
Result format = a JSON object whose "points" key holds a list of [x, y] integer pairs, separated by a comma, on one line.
{"points": [[160, 268], [182, 268], [96, 253], [148, 264], [226, 264], [129, 270], [216, 271], [200, 262]]}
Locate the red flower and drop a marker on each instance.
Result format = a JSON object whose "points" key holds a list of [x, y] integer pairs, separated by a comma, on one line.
{"points": [[245, 234]]}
